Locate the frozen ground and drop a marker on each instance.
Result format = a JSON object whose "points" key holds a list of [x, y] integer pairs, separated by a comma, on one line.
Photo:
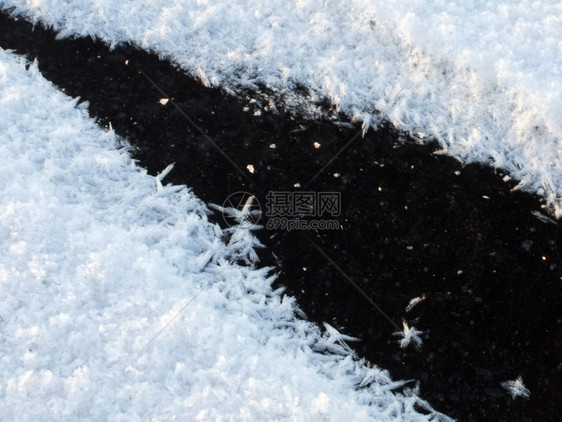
{"points": [[96, 257], [480, 77]]}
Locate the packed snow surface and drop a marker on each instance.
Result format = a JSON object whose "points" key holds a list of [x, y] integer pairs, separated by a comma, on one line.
{"points": [[97, 258], [480, 77]]}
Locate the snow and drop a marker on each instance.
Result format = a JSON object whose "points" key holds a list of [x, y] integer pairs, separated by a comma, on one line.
{"points": [[480, 77], [120, 302]]}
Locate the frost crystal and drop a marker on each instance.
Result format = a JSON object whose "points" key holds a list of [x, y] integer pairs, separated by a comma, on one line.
{"points": [[336, 341], [516, 388], [409, 335]]}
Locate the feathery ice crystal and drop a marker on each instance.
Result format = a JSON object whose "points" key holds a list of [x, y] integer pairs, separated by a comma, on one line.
{"points": [[409, 334], [516, 388]]}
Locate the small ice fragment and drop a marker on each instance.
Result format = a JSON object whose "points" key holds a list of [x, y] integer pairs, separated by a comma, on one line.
{"points": [[408, 335], [543, 218], [414, 302], [163, 101], [516, 388], [316, 145], [247, 208], [250, 168]]}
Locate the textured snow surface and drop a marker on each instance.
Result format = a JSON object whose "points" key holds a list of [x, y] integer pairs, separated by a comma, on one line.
{"points": [[96, 257], [481, 77]]}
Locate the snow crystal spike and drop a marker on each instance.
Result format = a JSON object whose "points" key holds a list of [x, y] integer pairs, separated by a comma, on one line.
{"points": [[162, 175], [165, 172], [248, 205], [336, 335]]}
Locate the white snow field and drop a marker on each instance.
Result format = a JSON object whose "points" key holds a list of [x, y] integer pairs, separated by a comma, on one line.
{"points": [[481, 77], [97, 257]]}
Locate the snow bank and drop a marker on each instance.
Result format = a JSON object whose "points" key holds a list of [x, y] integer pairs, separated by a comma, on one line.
{"points": [[481, 77], [96, 257]]}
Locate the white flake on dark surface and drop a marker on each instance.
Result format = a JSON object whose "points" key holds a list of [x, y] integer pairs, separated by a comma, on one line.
{"points": [[516, 388]]}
